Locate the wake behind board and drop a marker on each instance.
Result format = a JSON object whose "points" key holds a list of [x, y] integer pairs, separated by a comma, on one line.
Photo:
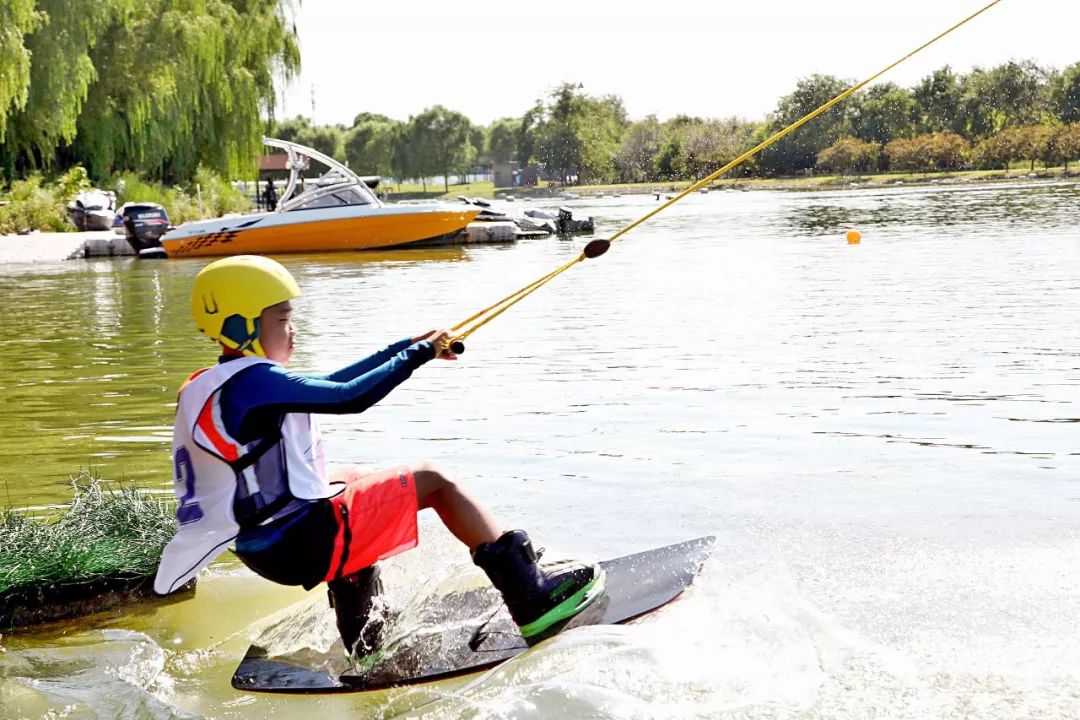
{"points": [[470, 630]]}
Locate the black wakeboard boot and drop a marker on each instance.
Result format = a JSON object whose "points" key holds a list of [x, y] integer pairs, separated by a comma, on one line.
{"points": [[541, 600], [358, 621]]}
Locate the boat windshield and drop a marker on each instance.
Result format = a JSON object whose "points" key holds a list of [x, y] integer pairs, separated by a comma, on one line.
{"points": [[333, 196]]}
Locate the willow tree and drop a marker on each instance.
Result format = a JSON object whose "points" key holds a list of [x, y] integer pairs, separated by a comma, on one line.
{"points": [[155, 86], [17, 17], [61, 74], [183, 83]]}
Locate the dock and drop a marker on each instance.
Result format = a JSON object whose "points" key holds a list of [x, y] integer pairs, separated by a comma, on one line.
{"points": [[57, 246]]}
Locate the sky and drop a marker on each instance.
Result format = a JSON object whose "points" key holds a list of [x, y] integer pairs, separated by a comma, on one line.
{"points": [[494, 58]]}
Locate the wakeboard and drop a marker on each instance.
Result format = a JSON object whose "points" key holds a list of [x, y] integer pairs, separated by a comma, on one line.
{"points": [[469, 630]]}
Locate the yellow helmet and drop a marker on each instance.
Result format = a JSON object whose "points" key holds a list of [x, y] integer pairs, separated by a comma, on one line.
{"points": [[230, 294]]}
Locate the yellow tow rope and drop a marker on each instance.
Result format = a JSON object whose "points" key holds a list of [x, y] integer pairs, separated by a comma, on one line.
{"points": [[597, 248]]}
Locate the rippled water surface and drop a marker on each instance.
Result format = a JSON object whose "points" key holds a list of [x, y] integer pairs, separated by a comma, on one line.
{"points": [[884, 438]]}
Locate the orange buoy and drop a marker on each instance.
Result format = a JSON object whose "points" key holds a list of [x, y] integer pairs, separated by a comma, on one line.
{"points": [[853, 237]]}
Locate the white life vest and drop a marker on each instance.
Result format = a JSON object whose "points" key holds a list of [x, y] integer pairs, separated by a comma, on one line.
{"points": [[221, 484]]}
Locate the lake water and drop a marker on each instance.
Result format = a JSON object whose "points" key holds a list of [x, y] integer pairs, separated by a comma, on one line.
{"points": [[883, 438]]}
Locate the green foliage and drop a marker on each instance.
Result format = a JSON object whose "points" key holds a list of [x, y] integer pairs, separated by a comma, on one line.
{"points": [[930, 151], [883, 113], [1066, 94], [710, 144], [634, 162], [34, 205], [997, 150], [155, 86], [105, 532], [440, 143], [849, 154], [906, 154], [17, 18], [288, 129], [61, 74], [327, 139], [577, 134], [937, 100], [369, 145], [799, 150], [527, 133], [218, 196], [670, 162], [72, 183], [502, 139], [1067, 142], [944, 151], [1016, 93]]}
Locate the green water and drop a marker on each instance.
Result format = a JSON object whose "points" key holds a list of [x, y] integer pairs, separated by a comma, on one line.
{"points": [[882, 437]]}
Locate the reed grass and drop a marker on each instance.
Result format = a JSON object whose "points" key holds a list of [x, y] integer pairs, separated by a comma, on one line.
{"points": [[107, 531]]}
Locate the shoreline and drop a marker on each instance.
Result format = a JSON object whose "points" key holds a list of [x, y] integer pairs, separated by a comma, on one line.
{"points": [[803, 184], [792, 184], [36, 246], [57, 246]]}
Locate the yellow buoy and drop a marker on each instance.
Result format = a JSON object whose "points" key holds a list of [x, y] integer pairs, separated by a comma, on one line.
{"points": [[853, 237]]}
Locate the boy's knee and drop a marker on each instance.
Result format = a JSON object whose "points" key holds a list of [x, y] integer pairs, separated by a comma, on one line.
{"points": [[430, 480], [428, 472]]}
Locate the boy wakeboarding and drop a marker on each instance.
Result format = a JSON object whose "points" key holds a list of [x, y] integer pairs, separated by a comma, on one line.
{"points": [[249, 471]]}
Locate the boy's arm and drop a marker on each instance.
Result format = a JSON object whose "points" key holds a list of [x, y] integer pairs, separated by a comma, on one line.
{"points": [[254, 400], [349, 372]]}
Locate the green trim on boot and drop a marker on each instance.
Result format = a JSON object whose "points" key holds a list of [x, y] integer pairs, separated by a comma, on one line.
{"points": [[567, 609]]}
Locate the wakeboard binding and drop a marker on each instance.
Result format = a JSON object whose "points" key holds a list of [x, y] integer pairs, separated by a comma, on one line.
{"points": [[359, 620], [541, 599]]}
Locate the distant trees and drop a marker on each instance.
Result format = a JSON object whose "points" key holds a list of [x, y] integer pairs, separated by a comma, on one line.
{"points": [[502, 139], [1067, 141], [327, 139], [798, 151], [162, 87], [575, 134], [634, 161], [1016, 93], [440, 141], [369, 144], [1065, 94], [849, 154], [883, 113], [938, 98]]}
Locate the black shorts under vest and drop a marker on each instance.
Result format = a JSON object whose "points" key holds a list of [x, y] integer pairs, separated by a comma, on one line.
{"points": [[292, 550]]}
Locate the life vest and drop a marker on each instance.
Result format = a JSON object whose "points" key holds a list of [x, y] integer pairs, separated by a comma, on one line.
{"points": [[222, 485]]}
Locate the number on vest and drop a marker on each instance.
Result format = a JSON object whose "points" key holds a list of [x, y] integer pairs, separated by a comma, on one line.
{"points": [[188, 510]]}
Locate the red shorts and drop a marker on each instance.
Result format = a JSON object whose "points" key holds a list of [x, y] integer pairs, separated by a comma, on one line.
{"points": [[376, 515]]}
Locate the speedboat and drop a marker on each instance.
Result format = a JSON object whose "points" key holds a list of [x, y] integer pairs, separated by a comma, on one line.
{"points": [[335, 211], [92, 209]]}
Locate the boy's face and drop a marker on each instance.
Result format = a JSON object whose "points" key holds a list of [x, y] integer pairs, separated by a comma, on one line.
{"points": [[276, 332]]}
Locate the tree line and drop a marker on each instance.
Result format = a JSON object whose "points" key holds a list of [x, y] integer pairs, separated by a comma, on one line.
{"points": [[161, 88], [988, 117]]}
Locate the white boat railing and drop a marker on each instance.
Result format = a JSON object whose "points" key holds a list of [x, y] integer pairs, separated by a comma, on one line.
{"points": [[336, 178]]}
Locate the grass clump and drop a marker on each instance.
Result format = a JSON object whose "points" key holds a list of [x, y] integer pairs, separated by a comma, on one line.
{"points": [[105, 532]]}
